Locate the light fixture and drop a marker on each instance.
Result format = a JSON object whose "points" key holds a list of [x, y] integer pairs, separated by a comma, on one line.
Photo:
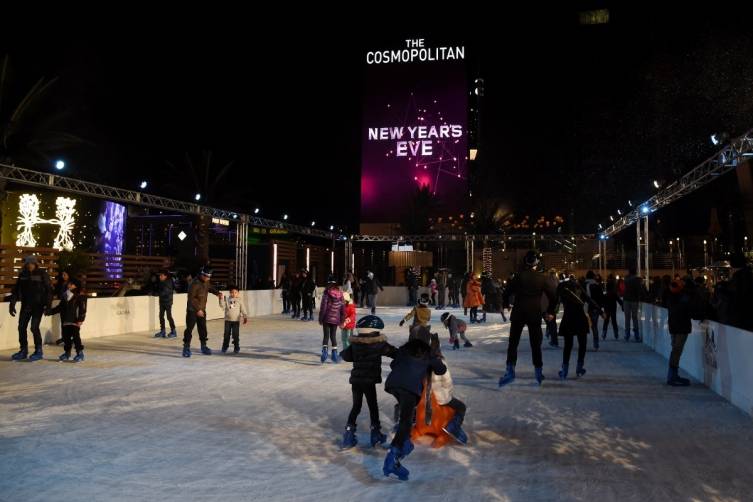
{"points": [[644, 209], [332, 227], [182, 235], [657, 185], [197, 197], [313, 223], [285, 217], [59, 165], [143, 185], [256, 211]]}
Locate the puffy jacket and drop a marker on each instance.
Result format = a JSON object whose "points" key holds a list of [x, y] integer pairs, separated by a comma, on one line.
{"points": [[441, 387], [455, 326], [71, 311], [332, 309], [365, 352], [197, 295], [410, 365], [350, 316], [32, 288], [421, 313], [595, 292], [575, 321], [165, 292], [473, 297]]}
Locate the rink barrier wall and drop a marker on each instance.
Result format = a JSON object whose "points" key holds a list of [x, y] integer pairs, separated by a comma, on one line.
{"points": [[731, 350]]}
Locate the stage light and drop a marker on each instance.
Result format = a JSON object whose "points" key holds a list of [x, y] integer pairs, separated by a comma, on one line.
{"points": [[143, 185], [59, 165], [256, 211], [619, 213], [331, 227], [630, 203], [611, 218], [197, 197], [645, 209], [182, 235], [285, 217], [313, 223], [656, 184]]}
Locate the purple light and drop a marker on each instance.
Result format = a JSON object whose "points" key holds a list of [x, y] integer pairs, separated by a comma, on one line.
{"points": [[111, 223]]}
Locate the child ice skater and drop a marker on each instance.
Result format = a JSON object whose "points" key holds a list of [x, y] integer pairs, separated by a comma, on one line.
{"points": [[234, 312], [346, 330], [457, 329], [365, 352], [442, 387], [421, 313], [72, 310], [331, 315], [405, 382]]}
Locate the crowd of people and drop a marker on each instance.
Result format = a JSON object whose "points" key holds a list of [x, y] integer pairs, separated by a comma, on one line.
{"points": [[419, 379]]}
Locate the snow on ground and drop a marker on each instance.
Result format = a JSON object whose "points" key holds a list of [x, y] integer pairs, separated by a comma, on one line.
{"points": [[136, 421]]}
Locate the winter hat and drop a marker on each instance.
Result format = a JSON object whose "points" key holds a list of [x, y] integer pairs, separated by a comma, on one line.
{"points": [[30, 259], [369, 324], [75, 282], [346, 297], [206, 271], [424, 300], [531, 259], [331, 279], [444, 317]]}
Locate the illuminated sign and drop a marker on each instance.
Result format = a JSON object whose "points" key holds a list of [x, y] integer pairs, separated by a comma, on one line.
{"points": [[414, 133], [28, 218]]}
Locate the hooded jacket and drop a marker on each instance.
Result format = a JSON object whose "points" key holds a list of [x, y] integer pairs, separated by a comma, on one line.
{"points": [[365, 352], [410, 365], [332, 309]]}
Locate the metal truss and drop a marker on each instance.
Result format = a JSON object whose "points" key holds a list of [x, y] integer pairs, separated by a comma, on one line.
{"points": [[556, 238], [727, 159], [53, 181]]}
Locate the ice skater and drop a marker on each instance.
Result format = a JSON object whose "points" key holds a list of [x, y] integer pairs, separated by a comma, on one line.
{"points": [[575, 323], [441, 388], [365, 352], [457, 328], [347, 327], [421, 313], [34, 289], [331, 315], [72, 310], [196, 314], [234, 312], [405, 382], [165, 290]]}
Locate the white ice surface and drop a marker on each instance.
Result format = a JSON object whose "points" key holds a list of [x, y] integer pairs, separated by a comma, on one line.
{"points": [[136, 421]]}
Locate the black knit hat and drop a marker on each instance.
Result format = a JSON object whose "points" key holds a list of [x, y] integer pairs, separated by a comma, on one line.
{"points": [[369, 323]]}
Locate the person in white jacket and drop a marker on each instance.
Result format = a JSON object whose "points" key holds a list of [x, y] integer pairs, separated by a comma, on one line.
{"points": [[442, 387], [234, 311]]}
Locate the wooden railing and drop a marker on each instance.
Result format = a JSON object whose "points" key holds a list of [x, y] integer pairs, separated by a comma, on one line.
{"points": [[105, 274]]}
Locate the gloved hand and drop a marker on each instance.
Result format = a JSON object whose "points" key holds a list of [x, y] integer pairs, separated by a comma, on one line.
{"points": [[402, 322], [12, 309], [245, 320]]}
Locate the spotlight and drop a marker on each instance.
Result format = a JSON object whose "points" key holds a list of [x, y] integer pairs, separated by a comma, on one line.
{"points": [[285, 217], [59, 165], [657, 185], [143, 185], [645, 209], [256, 211], [313, 223], [197, 197]]}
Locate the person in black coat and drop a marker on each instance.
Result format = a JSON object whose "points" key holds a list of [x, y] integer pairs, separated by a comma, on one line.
{"points": [[611, 299], [595, 292], [295, 296], [165, 290], [34, 290], [575, 322], [308, 288], [72, 310], [405, 382], [683, 304], [365, 352]]}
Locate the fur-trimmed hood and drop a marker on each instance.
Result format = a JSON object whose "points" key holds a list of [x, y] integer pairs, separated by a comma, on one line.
{"points": [[367, 338]]}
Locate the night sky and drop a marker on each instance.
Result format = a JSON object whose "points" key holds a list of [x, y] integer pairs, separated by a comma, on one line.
{"points": [[576, 119]]}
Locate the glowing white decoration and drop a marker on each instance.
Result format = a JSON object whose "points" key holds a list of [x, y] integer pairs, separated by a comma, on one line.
{"points": [[28, 218]]}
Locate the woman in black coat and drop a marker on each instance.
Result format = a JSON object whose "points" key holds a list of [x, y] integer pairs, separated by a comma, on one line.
{"points": [[575, 323]]}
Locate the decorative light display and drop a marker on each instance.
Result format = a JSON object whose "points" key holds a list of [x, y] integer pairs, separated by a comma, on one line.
{"points": [[486, 258], [28, 218]]}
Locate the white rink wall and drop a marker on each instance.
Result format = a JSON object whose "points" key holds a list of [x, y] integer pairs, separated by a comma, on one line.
{"points": [[733, 376], [117, 316]]}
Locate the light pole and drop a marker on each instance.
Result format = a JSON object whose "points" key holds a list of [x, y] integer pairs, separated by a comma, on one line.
{"points": [[672, 258], [705, 255]]}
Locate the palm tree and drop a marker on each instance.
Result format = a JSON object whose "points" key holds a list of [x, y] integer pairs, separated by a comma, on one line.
{"points": [[206, 182]]}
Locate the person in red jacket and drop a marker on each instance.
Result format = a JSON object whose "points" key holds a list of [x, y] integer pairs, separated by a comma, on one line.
{"points": [[350, 320]]}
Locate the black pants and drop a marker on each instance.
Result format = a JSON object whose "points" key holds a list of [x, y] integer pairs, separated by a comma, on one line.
{"points": [[231, 328], [433, 298], [166, 310], [295, 305], [201, 325], [611, 315], [308, 306], [71, 337], [285, 302], [442, 294], [551, 328], [368, 390], [595, 327], [678, 343], [33, 314], [407, 402], [535, 336], [582, 344], [412, 296], [330, 331], [474, 313], [459, 407]]}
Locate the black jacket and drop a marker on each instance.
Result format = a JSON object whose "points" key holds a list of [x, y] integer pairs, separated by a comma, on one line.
{"points": [[308, 287], [527, 287], [372, 286], [71, 311], [635, 291], [33, 289], [682, 306], [574, 319], [365, 352], [596, 293], [410, 366], [165, 292]]}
